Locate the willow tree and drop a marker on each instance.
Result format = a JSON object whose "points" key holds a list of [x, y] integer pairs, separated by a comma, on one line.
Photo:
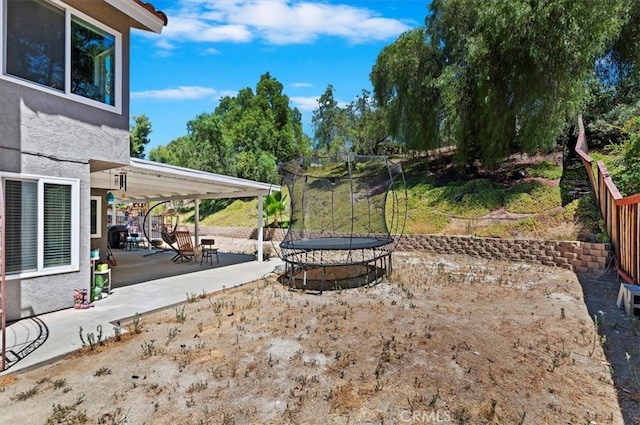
{"points": [[404, 81], [616, 88], [496, 77]]}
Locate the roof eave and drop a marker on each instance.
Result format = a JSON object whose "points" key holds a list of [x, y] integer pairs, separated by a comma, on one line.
{"points": [[143, 13]]}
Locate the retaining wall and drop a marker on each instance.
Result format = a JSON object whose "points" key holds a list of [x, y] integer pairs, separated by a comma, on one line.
{"points": [[572, 255]]}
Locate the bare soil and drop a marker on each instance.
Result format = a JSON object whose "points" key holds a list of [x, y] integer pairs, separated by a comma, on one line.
{"points": [[444, 340]]}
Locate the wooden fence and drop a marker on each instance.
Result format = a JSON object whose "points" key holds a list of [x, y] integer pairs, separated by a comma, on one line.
{"points": [[621, 215]]}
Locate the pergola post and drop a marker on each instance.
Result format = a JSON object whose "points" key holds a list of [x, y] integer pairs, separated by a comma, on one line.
{"points": [[197, 221], [260, 227]]}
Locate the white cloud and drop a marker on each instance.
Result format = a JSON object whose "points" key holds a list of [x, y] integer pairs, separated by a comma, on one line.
{"points": [[194, 28], [309, 103], [210, 51], [301, 85], [165, 48], [277, 22], [165, 44], [177, 93]]}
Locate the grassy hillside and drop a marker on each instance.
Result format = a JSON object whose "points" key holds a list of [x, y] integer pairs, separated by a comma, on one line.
{"points": [[522, 199]]}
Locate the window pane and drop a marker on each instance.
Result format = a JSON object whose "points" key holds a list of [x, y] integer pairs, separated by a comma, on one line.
{"points": [[92, 62], [57, 225], [21, 204], [35, 42]]}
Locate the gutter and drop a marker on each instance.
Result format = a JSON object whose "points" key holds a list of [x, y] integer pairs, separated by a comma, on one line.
{"points": [[142, 12]]}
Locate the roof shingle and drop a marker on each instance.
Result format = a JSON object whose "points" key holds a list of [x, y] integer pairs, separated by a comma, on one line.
{"points": [[151, 8]]}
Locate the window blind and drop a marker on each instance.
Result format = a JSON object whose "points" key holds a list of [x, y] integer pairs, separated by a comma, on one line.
{"points": [[21, 242], [57, 225]]}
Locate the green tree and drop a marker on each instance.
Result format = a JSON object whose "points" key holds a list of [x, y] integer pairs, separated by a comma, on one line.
{"points": [[615, 90], [164, 154], [178, 152], [404, 79], [329, 123], [139, 135], [245, 136], [366, 127], [262, 129], [500, 77], [627, 178], [621, 62], [212, 151]]}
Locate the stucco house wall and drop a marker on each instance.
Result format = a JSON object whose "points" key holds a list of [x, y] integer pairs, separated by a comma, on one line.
{"points": [[48, 135]]}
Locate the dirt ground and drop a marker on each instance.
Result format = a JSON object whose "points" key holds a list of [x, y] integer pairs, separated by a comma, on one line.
{"points": [[444, 340]]}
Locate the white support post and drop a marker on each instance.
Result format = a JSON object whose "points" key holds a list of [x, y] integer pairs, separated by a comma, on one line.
{"points": [[197, 221], [260, 227]]}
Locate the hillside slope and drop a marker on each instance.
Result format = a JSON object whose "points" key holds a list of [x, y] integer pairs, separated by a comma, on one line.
{"points": [[527, 197]]}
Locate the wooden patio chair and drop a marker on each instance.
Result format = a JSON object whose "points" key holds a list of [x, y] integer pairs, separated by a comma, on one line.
{"points": [[186, 251]]}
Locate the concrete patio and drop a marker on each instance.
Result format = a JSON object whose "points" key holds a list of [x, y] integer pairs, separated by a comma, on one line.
{"points": [[142, 284]]}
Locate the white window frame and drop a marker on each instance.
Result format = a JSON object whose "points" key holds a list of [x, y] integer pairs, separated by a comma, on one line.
{"points": [[75, 224], [98, 218], [68, 10]]}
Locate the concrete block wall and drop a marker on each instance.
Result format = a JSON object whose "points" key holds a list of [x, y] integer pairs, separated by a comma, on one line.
{"points": [[572, 255]]}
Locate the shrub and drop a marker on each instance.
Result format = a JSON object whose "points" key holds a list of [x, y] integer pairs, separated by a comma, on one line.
{"points": [[532, 198], [545, 169], [627, 178]]}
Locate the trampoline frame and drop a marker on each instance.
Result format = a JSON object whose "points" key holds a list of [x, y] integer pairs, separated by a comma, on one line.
{"points": [[304, 255]]}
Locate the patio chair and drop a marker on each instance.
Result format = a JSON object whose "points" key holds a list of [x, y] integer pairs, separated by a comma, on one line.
{"points": [[186, 251], [208, 251]]}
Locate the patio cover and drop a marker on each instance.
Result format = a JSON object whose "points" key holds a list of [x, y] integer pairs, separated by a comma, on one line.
{"points": [[150, 181]]}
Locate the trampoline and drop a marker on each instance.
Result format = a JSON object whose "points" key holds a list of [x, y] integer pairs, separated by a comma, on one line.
{"points": [[347, 213]]}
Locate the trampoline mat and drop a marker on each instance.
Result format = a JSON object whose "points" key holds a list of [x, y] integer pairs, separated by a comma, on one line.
{"points": [[334, 244]]}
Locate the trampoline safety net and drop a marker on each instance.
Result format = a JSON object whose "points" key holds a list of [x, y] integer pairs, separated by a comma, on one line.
{"points": [[344, 209]]}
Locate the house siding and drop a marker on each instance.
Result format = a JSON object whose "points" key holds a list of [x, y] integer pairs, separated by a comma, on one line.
{"points": [[33, 296], [48, 135]]}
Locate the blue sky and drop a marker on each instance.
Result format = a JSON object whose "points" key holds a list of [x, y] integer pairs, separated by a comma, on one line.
{"points": [[214, 48]]}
